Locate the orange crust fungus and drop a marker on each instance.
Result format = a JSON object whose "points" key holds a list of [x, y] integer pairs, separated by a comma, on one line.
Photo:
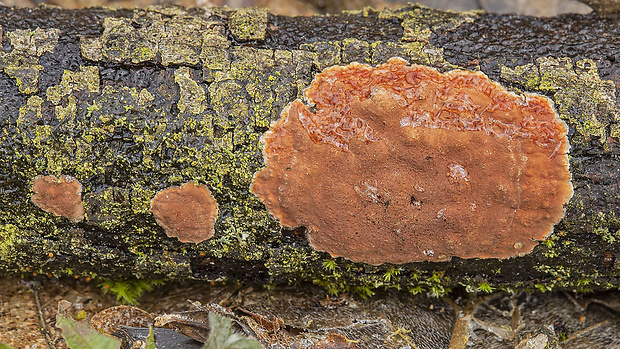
{"points": [[60, 196], [187, 212], [404, 164]]}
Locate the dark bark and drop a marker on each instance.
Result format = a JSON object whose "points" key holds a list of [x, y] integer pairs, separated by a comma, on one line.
{"points": [[175, 95]]}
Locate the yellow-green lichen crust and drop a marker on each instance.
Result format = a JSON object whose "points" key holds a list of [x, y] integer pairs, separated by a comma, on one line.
{"points": [[418, 25], [8, 237], [149, 37], [582, 98], [249, 24], [22, 62]]}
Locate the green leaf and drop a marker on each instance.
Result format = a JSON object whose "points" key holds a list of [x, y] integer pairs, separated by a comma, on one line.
{"points": [[150, 340], [5, 346], [222, 335], [81, 335]]}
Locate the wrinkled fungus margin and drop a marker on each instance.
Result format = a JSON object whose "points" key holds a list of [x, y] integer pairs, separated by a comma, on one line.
{"points": [[399, 163], [61, 196], [187, 212]]}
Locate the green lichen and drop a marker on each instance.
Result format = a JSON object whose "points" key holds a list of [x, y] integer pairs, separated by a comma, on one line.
{"points": [[120, 42], [8, 237], [21, 63], [326, 53], [354, 50], [615, 131], [34, 42], [180, 41], [214, 54], [526, 75], [419, 23], [249, 24], [192, 96], [86, 80], [177, 40], [582, 98]]}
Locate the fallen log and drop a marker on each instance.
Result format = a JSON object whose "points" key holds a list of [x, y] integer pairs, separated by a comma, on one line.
{"points": [[131, 139]]}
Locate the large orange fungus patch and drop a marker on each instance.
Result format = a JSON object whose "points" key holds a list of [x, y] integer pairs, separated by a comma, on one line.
{"points": [[403, 164]]}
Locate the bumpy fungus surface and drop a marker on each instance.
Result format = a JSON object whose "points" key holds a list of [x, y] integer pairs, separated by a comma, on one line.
{"points": [[60, 196], [187, 212], [402, 164]]}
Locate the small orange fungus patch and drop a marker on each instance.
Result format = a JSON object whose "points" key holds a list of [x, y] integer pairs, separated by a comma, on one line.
{"points": [[187, 212], [60, 196], [403, 164]]}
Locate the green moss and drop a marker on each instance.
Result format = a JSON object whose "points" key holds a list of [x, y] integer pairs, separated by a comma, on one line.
{"points": [[607, 236], [391, 274], [484, 287], [582, 98], [607, 226], [249, 24], [129, 291], [615, 131], [329, 265]]}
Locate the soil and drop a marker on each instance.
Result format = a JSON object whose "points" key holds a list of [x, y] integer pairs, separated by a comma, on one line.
{"points": [[389, 319]]}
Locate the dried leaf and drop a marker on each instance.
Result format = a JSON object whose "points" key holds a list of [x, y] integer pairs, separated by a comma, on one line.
{"points": [[109, 320]]}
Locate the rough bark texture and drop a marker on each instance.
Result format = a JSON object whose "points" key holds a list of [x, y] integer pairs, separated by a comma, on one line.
{"points": [[132, 102]]}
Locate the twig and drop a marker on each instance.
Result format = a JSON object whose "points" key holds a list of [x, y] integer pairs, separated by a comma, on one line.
{"points": [[42, 322], [402, 333], [588, 329]]}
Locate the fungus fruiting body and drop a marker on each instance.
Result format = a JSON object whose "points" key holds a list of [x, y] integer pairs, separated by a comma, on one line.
{"points": [[399, 163], [187, 212], [61, 196]]}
